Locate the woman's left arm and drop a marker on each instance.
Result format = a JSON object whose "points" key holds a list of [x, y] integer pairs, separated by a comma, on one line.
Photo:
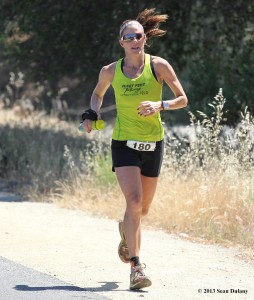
{"points": [[165, 72]]}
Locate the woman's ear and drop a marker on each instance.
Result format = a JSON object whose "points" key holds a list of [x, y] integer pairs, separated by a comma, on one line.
{"points": [[121, 43], [145, 40]]}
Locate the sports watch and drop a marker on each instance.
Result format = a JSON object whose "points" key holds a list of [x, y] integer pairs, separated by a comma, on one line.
{"points": [[165, 105]]}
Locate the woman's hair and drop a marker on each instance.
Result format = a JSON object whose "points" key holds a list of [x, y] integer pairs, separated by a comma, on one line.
{"points": [[150, 21]]}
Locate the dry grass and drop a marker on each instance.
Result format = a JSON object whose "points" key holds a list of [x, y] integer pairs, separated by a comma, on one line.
{"points": [[212, 208], [205, 191], [32, 150], [216, 207]]}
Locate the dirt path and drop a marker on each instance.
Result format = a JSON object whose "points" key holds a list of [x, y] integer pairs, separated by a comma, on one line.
{"points": [[82, 250]]}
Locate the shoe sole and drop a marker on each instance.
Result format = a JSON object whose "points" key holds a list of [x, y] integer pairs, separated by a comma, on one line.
{"points": [[123, 258], [142, 284]]}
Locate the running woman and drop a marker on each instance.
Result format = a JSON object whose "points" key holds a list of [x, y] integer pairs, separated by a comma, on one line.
{"points": [[137, 142]]}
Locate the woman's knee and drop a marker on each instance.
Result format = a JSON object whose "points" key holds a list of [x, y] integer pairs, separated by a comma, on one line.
{"points": [[145, 211], [134, 202]]}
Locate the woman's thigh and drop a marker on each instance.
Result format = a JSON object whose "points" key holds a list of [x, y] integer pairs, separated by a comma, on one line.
{"points": [[129, 179]]}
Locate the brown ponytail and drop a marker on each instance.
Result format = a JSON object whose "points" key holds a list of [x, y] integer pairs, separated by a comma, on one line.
{"points": [[151, 22]]}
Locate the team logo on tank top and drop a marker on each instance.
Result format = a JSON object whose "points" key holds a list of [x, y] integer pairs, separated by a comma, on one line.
{"points": [[134, 89]]}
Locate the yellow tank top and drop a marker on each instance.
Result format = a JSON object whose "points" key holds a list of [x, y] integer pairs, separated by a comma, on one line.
{"points": [[129, 93]]}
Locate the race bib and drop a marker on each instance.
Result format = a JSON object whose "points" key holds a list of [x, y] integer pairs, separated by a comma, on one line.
{"points": [[142, 146]]}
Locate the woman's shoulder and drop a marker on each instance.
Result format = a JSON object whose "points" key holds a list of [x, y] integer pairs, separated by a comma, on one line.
{"points": [[108, 71], [162, 68], [109, 68], [159, 61], [161, 65]]}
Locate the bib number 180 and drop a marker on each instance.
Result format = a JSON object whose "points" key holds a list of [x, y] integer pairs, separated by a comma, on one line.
{"points": [[141, 146]]}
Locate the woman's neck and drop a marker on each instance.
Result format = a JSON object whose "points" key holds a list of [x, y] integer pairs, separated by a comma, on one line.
{"points": [[133, 66], [134, 62]]}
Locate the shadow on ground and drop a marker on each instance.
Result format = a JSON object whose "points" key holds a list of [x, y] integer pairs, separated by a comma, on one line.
{"points": [[106, 286]]}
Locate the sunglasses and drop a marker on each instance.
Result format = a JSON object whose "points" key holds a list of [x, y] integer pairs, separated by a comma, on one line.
{"points": [[129, 37]]}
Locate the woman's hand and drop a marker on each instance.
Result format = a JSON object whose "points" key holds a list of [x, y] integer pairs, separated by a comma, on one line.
{"points": [[87, 125], [149, 108]]}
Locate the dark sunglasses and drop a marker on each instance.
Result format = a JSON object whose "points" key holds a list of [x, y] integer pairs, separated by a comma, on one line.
{"points": [[129, 37]]}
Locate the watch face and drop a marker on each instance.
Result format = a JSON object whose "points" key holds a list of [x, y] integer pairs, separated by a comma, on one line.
{"points": [[165, 105]]}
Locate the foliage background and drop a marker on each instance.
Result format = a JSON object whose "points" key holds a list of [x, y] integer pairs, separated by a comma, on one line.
{"points": [[51, 52], [65, 43]]}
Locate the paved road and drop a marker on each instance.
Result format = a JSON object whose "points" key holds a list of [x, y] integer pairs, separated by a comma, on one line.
{"points": [[18, 282], [21, 283]]}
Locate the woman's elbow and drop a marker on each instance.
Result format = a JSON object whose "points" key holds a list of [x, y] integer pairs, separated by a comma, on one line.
{"points": [[185, 101]]}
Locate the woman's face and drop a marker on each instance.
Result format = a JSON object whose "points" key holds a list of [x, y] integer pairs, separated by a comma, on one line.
{"points": [[133, 39]]}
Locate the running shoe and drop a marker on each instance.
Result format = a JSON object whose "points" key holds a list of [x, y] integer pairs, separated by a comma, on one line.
{"points": [[123, 250], [138, 279]]}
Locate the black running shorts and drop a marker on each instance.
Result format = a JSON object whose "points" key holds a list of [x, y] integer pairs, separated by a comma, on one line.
{"points": [[149, 162]]}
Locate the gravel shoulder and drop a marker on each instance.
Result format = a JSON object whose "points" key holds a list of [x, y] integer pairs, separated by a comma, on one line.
{"points": [[81, 250]]}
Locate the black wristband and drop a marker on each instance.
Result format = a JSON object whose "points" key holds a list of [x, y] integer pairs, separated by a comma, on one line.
{"points": [[90, 115]]}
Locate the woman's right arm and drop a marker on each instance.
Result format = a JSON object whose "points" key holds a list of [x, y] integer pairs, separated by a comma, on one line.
{"points": [[105, 79]]}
